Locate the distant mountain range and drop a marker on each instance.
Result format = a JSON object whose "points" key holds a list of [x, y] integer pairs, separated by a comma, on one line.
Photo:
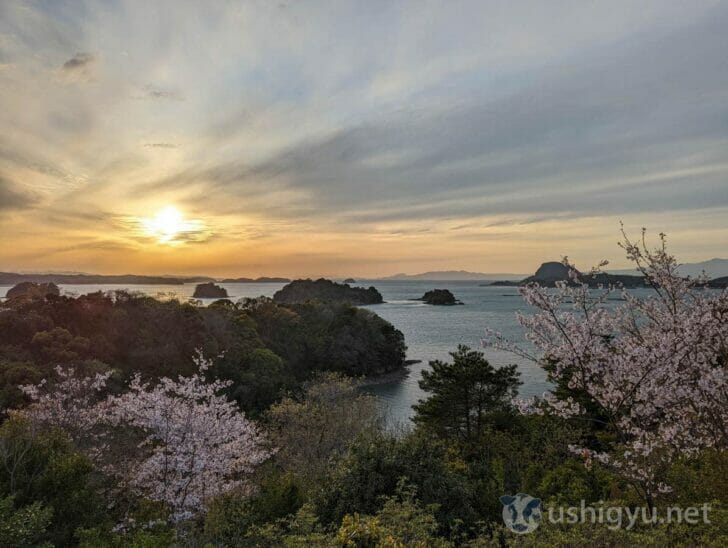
{"points": [[551, 273], [714, 268], [12, 278], [454, 276]]}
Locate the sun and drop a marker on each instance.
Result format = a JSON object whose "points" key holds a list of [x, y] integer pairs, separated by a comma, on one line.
{"points": [[170, 227]]}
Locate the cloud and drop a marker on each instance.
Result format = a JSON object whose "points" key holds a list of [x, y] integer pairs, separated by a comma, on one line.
{"points": [[366, 121], [160, 145], [154, 92], [102, 245], [614, 130], [13, 199], [80, 67], [78, 62]]}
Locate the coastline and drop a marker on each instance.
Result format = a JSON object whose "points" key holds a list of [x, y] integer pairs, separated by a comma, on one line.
{"points": [[387, 378]]}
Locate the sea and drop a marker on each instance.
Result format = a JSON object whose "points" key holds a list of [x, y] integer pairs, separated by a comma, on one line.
{"points": [[430, 332]]}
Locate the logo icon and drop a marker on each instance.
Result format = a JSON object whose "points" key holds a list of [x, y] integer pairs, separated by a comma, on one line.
{"points": [[521, 512]]}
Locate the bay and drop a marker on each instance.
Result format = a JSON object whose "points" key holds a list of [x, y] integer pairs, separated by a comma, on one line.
{"points": [[430, 332]]}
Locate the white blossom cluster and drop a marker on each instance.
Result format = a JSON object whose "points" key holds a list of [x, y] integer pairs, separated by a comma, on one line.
{"points": [[70, 404], [194, 443]]}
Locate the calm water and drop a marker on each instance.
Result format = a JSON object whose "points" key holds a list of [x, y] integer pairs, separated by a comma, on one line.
{"points": [[430, 331], [182, 292]]}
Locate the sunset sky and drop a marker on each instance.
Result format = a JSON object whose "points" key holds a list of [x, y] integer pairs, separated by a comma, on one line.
{"points": [[364, 138]]}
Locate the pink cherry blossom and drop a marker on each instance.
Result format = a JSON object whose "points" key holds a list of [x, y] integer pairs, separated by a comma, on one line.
{"points": [[655, 366], [194, 443]]}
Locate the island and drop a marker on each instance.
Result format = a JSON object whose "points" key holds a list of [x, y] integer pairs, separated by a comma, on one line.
{"points": [[549, 273], [209, 291], [323, 290], [350, 281], [718, 283], [439, 297], [32, 290]]}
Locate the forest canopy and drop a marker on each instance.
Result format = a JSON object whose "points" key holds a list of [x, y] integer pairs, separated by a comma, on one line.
{"points": [[262, 347]]}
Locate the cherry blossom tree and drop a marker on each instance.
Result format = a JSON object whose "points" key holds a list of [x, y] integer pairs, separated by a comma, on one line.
{"points": [[69, 403], [193, 442], [654, 368]]}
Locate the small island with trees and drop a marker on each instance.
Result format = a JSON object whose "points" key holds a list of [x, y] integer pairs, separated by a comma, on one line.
{"points": [[439, 297], [210, 290], [32, 290], [323, 290]]}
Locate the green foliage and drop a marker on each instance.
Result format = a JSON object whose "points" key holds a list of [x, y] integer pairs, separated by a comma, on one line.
{"points": [[330, 337], [698, 479], [320, 424], [139, 522], [530, 454], [302, 529], [160, 536], [258, 378], [237, 515], [14, 374], [23, 526], [263, 348], [571, 482], [465, 395], [43, 467], [373, 468], [59, 346], [401, 522], [358, 531], [323, 290], [406, 520]]}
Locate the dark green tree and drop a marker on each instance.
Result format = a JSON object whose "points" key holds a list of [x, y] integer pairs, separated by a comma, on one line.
{"points": [[42, 470], [232, 516], [466, 395], [23, 526], [374, 466]]}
